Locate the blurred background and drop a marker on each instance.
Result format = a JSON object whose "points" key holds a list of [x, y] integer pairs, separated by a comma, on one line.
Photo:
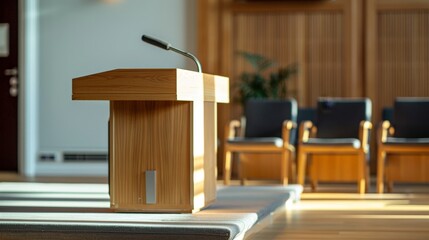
{"points": [[341, 48]]}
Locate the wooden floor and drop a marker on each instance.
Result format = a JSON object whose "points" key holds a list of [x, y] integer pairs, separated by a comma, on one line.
{"points": [[334, 212], [337, 213]]}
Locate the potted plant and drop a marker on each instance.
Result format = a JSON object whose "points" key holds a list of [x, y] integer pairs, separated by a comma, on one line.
{"points": [[261, 85]]}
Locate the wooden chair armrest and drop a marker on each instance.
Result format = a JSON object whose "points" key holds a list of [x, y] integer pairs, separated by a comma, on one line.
{"points": [[385, 130], [230, 129], [364, 133], [288, 125], [305, 131]]}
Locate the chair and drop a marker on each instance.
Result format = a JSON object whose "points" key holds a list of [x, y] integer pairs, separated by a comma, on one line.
{"points": [[342, 127], [267, 128], [406, 135], [304, 114]]}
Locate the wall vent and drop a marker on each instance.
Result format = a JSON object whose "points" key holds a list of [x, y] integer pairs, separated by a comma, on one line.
{"points": [[48, 157], [75, 157]]}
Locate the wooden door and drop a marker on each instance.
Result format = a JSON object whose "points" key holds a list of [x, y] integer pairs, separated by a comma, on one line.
{"points": [[8, 86]]}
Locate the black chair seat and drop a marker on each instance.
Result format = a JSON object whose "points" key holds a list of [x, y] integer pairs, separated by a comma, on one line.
{"points": [[353, 142], [405, 141], [278, 142]]}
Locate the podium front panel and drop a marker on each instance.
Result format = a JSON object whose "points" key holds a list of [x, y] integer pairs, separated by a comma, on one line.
{"points": [[150, 136]]}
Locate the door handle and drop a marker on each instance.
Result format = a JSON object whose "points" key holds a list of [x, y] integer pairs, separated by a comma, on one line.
{"points": [[11, 72], [13, 81]]}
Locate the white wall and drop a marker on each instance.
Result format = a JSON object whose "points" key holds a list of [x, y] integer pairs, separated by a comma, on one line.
{"points": [[81, 37]]}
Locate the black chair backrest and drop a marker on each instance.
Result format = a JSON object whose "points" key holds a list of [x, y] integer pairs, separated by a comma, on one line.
{"points": [[264, 118], [411, 117], [387, 114], [341, 117], [306, 114]]}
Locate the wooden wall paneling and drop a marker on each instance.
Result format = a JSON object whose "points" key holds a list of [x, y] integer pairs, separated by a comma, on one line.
{"points": [[396, 51], [397, 61], [301, 84], [224, 67], [355, 22], [370, 72], [320, 35], [213, 46], [208, 12], [263, 34], [371, 53], [271, 35], [284, 6], [325, 56], [395, 5]]}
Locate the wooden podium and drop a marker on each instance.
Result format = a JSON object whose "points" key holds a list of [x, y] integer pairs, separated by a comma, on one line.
{"points": [[162, 136]]}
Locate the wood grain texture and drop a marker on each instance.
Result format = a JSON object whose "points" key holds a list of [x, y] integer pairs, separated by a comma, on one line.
{"points": [[397, 55], [322, 37], [204, 154], [407, 168], [151, 135], [402, 4], [286, 152], [208, 26], [151, 84], [331, 215], [163, 121], [210, 151], [177, 140], [399, 162], [279, 6], [331, 168], [260, 166], [333, 162]]}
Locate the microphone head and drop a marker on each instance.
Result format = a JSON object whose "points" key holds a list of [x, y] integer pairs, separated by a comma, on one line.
{"points": [[156, 42]]}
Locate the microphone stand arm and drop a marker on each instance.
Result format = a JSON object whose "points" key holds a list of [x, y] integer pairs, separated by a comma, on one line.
{"points": [[167, 46], [189, 55]]}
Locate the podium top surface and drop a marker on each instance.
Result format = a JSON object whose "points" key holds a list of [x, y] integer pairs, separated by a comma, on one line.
{"points": [[151, 84]]}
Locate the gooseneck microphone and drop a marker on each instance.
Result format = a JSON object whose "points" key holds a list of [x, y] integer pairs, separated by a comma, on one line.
{"points": [[168, 46]]}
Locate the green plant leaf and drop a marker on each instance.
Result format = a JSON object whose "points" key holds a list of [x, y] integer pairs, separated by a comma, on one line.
{"points": [[255, 85], [258, 62]]}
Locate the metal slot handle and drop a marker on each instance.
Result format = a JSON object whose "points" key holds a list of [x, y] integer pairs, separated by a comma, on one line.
{"points": [[150, 187]]}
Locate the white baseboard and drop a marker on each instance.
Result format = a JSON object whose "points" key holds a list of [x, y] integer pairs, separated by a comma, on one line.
{"points": [[72, 169]]}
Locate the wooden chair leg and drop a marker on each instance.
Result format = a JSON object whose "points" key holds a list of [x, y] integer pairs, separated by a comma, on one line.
{"points": [[367, 178], [284, 167], [380, 170], [292, 168], [361, 173], [314, 178], [302, 162], [387, 179], [227, 168], [314, 183], [243, 181], [390, 186], [362, 186]]}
